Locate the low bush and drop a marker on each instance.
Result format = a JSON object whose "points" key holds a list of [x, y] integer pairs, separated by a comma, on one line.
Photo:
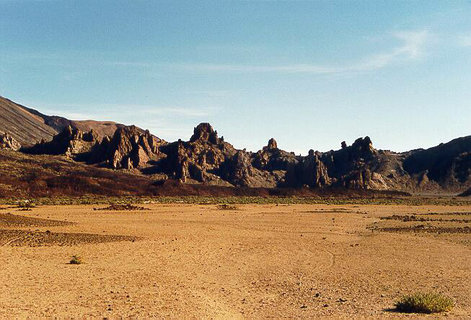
{"points": [[424, 303], [76, 260]]}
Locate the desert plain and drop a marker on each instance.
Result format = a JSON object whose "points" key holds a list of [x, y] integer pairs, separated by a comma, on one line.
{"points": [[247, 261]]}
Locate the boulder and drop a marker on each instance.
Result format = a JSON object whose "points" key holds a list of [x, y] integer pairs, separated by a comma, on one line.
{"points": [[272, 144], [8, 142]]}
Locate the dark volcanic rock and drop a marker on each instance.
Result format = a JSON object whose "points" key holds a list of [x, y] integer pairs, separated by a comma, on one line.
{"points": [[199, 159], [204, 133], [272, 144], [309, 171], [207, 159], [129, 148], [239, 171], [70, 142], [271, 158], [349, 166], [447, 164]]}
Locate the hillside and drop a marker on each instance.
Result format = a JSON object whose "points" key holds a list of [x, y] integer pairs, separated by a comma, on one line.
{"points": [[28, 126], [25, 127]]}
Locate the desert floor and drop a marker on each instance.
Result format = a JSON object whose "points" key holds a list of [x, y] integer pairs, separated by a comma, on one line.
{"points": [[257, 261]]}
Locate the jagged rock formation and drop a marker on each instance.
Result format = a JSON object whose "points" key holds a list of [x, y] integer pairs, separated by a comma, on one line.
{"points": [[272, 159], [208, 159], [239, 171], [70, 142], [129, 148], [8, 142], [308, 171], [350, 167], [199, 159]]}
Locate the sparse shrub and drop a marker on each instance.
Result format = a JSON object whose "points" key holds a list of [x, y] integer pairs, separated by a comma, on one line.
{"points": [[227, 207], [424, 303], [76, 260], [26, 205]]}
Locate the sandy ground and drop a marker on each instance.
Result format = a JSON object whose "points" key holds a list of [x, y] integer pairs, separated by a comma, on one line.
{"points": [[259, 261]]}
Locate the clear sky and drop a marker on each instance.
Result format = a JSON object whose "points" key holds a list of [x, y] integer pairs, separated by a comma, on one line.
{"points": [[310, 74]]}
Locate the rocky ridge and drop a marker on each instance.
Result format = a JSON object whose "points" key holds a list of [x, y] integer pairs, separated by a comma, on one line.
{"points": [[207, 159]]}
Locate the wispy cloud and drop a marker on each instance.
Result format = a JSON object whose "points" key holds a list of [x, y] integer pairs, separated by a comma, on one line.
{"points": [[105, 110], [412, 47], [465, 40]]}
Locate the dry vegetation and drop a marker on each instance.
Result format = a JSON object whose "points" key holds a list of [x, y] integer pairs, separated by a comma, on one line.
{"points": [[76, 260], [424, 303]]}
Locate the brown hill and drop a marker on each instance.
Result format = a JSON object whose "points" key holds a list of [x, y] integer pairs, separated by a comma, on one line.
{"points": [[28, 126], [25, 127]]}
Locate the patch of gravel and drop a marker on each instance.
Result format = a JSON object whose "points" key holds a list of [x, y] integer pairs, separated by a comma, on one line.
{"points": [[23, 238], [227, 207], [445, 214], [121, 207], [424, 229], [421, 219], [13, 220]]}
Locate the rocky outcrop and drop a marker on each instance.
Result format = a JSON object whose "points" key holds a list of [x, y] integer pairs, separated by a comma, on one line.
{"points": [[239, 171], [351, 165], [70, 142], [271, 158], [129, 148], [198, 160], [208, 159], [204, 133], [448, 164], [308, 171], [8, 142], [272, 144]]}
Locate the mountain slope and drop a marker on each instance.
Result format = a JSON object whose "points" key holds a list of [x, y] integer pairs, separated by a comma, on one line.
{"points": [[28, 126], [448, 164], [25, 127]]}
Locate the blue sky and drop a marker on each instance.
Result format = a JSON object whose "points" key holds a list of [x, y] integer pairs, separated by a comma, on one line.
{"points": [[311, 74]]}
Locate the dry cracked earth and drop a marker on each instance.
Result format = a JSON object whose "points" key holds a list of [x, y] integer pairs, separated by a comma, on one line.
{"points": [[178, 261]]}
